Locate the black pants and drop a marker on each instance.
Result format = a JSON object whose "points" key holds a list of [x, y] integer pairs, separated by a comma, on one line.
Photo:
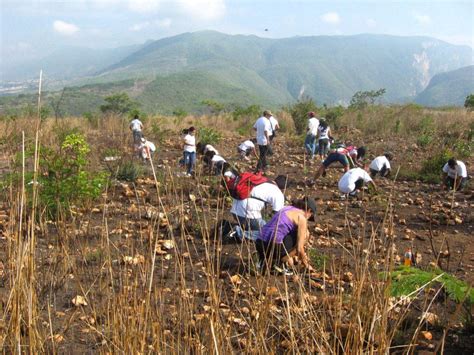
{"points": [[450, 183], [272, 253], [383, 172], [262, 160], [270, 147], [359, 184]]}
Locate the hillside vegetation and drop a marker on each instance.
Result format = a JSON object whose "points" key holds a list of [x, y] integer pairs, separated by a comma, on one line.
{"points": [[449, 88]]}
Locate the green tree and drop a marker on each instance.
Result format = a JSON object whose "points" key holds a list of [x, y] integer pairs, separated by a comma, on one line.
{"points": [[299, 112], [469, 103], [362, 99], [118, 104], [213, 107]]}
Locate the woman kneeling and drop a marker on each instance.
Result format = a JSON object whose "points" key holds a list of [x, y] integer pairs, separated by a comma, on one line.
{"points": [[285, 236]]}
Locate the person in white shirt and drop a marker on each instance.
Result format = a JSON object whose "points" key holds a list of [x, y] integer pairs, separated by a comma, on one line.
{"points": [[248, 212], [136, 126], [381, 165], [202, 148], [263, 129], [455, 174], [324, 133], [146, 148], [311, 134], [354, 180], [274, 127], [190, 151], [215, 163], [246, 148]]}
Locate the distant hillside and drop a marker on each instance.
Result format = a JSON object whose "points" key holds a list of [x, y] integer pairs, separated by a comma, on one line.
{"points": [[328, 68], [448, 89], [181, 71]]}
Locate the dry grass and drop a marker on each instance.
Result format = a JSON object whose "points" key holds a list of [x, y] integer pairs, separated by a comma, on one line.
{"points": [[191, 304]]}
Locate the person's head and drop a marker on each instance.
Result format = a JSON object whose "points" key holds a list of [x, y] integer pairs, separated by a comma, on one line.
{"points": [[225, 167], [311, 114], [282, 182], [135, 117], [192, 130], [389, 156], [210, 154], [361, 152], [200, 147], [323, 123], [452, 163], [185, 131], [254, 140], [267, 114], [308, 205]]}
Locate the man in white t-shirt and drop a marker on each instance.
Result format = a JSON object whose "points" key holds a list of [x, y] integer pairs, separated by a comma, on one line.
{"points": [[381, 165], [454, 174], [248, 212], [136, 126], [263, 129], [354, 180], [246, 148], [311, 133]]}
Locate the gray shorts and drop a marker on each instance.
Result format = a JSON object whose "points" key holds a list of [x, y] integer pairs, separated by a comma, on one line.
{"points": [[137, 136]]}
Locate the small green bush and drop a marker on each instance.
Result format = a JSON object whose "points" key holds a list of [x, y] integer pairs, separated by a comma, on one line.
{"points": [[431, 168], [424, 139], [64, 179], [209, 135], [129, 171], [299, 113]]}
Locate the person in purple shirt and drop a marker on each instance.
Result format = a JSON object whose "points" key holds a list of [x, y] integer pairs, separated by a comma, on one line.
{"points": [[285, 236]]}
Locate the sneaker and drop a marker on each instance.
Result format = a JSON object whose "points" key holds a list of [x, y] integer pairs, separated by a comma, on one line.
{"points": [[282, 269]]}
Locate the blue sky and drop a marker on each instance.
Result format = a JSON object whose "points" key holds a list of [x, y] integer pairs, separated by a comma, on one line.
{"points": [[33, 27]]}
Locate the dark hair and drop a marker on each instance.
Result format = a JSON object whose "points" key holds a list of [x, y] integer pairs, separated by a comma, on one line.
{"points": [[135, 116], [281, 181], [191, 129], [200, 147], [306, 204], [452, 163], [185, 131], [210, 154], [254, 140], [389, 156], [361, 152], [225, 167], [323, 123]]}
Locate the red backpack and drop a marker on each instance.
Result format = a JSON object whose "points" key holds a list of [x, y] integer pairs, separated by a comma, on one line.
{"points": [[241, 186]]}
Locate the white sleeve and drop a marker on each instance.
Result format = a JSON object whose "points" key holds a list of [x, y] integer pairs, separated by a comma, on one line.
{"points": [[366, 176], [445, 168], [387, 164], [463, 172]]}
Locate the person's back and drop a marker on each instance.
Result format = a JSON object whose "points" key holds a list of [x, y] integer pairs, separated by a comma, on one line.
{"points": [[262, 125], [353, 179], [136, 125], [278, 227]]}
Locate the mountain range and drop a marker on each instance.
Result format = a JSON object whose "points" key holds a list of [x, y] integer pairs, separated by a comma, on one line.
{"points": [[183, 70]]}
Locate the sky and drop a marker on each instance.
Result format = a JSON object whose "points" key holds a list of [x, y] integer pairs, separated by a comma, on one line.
{"points": [[32, 28]]}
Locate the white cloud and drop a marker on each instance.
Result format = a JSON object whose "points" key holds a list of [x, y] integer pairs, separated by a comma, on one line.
{"points": [[203, 9], [332, 18], [371, 23], [64, 28], [139, 26], [423, 19], [164, 23], [144, 6]]}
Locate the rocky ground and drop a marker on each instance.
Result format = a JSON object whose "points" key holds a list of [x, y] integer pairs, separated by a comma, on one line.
{"points": [[72, 261]]}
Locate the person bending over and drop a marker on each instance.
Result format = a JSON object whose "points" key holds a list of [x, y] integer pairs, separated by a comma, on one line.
{"points": [[348, 157], [285, 237], [454, 174], [353, 180], [381, 166], [246, 148]]}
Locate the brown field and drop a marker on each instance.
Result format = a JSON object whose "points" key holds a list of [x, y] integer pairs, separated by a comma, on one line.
{"points": [[143, 269]]}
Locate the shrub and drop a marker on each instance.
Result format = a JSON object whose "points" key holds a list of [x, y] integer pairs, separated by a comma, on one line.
{"points": [[118, 104], [424, 139], [299, 113], [431, 168], [209, 135], [64, 180], [129, 171], [469, 102]]}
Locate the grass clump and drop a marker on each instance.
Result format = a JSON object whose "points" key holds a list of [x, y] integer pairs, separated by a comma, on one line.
{"points": [[209, 135], [406, 280], [129, 171]]}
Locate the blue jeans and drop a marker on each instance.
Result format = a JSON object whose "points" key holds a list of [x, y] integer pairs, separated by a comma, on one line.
{"points": [[248, 228], [189, 161], [310, 144]]}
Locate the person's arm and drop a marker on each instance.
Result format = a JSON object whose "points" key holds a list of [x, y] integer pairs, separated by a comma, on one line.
{"points": [[267, 136], [302, 237], [372, 183]]}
